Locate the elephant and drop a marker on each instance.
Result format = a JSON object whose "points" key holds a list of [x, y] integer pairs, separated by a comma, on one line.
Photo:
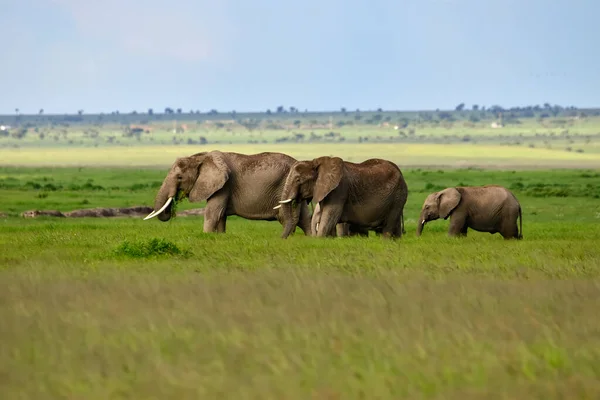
{"points": [[233, 184], [489, 208], [370, 195]]}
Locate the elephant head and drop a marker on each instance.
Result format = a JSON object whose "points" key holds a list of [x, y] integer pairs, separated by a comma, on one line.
{"points": [[196, 177], [438, 205], [306, 181]]}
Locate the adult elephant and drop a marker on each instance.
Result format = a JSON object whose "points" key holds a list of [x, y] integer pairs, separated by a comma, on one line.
{"points": [[368, 196], [231, 184], [489, 208]]}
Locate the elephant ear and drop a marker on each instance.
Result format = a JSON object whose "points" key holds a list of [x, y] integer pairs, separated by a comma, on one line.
{"points": [[329, 176], [213, 173], [448, 199]]}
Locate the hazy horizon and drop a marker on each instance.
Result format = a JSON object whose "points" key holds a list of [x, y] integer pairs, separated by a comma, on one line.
{"points": [[65, 55]]}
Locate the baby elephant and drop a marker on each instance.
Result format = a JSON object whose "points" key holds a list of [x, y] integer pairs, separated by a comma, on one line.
{"points": [[489, 208]]}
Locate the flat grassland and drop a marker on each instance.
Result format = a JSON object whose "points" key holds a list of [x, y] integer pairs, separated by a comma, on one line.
{"points": [[125, 308], [99, 308], [405, 154]]}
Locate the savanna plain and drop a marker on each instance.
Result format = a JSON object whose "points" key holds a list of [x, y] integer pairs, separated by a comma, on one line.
{"points": [[101, 308]]}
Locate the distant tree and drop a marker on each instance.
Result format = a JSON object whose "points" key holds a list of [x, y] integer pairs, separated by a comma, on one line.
{"points": [[280, 109], [379, 109], [17, 111], [293, 109], [79, 112], [343, 110], [150, 111], [179, 111], [460, 107], [475, 107], [41, 111], [268, 112]]}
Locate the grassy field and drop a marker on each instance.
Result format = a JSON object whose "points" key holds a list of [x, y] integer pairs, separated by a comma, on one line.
{"points": [[576, 133], [125, 308], [453, 155]]}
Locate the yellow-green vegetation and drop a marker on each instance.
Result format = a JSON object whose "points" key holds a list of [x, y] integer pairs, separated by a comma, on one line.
{"points": [[455, 155], [125, 308]]}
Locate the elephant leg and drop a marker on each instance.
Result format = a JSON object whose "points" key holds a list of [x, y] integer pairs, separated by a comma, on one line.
{"points": [[392, 228], [305, 219], [342, 229], [221, 226], [399, 231], [458, 226], [214, 213], [509, 229]]}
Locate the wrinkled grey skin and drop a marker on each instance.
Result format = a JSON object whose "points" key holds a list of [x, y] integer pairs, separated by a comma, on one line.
{"points": [[489, 208], [233, 184], [367, 196]]}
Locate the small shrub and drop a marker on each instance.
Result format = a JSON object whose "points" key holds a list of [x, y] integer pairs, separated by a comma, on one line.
{"points": [[516, 186], [150, 248]]}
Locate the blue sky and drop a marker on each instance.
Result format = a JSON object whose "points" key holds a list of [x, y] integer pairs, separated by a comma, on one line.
{"points": [[101, 56]]}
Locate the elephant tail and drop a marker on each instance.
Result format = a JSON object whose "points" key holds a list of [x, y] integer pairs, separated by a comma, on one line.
{"points": [[520, 224], [403, 230]]}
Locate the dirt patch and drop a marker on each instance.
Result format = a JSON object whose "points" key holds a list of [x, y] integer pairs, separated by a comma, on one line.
{"points": [[101, 212], [40, 213]]}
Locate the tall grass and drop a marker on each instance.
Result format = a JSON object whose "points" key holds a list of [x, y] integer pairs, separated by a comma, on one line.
{"points": [[126, 308]]}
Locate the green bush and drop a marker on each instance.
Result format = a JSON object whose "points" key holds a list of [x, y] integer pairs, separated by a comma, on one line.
{"points": [[150, 248]]}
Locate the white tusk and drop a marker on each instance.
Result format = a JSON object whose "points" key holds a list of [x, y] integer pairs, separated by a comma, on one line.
{"points": [[155, 213], [317, 227], [422, 222], [276, 207], [152, 214], [285, 201]]}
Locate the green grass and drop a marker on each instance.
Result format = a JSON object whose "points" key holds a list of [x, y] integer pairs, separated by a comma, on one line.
{"points": [[126, 308]]}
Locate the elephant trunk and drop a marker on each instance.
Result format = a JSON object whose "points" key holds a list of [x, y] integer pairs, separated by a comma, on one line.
{"points": [[163, 204], [291, 211], [420, 224]]}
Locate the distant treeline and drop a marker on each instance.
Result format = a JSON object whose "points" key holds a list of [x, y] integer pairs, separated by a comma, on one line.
{"points": [[461, 112]]}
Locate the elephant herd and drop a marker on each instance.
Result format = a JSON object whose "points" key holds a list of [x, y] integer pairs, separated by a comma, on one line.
{"points": [[349, 198]]}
